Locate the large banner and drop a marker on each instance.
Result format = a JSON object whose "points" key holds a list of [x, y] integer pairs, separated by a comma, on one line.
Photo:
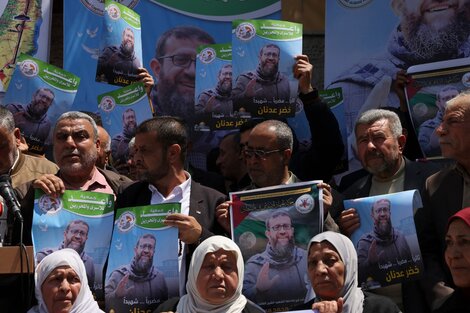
{"points": [[180, 27], [68, 222], [272, 226], [24, 28], [388, 36]]}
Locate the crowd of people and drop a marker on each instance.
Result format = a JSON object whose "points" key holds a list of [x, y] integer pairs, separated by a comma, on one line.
{"points": [[212, 275]]}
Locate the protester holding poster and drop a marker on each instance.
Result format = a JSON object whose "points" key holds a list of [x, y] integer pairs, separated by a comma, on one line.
{"points": [[118, 64]]}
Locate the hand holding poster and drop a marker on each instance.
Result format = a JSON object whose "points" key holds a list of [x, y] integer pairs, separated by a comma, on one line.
{"points": [[120, 46], [272, 226], [39, 93], [263, 54], [68, 222], [143, 259], [387, 246]]}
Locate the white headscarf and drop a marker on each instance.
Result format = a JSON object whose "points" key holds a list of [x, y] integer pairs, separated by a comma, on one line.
{"points": [[193, 302], [352, 295], [64, 257]]}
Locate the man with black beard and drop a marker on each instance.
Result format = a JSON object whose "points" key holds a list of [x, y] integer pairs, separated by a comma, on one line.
{"points": [[119, 62], [32, 119], [382, 245], [137, 280], [428, 31], [265, 86], [278, 273], [217, 100], [75, 237], [120, 142]]}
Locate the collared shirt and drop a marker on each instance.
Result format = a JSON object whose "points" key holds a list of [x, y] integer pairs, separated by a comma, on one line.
{"points": [[97, 183], [181, 194], [466, 184]]}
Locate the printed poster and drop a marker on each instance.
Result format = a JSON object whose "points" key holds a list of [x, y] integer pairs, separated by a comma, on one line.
{"points": [[120, 47], [263, 54], [121, 111], [386, 243], [68, 222], [430, 86], [273, 226], [143, 259], [39, 94]]}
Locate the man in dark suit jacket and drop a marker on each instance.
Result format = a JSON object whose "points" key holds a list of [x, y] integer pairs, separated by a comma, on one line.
{"points": [[161, 145], [380, 143]]}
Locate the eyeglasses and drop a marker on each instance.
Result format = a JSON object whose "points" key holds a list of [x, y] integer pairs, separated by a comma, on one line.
{"points": [[76, 232], [260, 154], [281, 226], [146, 246], [383, 209], [181, 60]]}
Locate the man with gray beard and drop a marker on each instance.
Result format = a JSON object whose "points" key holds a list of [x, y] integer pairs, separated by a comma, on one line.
{"points": [[139, 279], [428, 31], [381, 245], [278, 273]]}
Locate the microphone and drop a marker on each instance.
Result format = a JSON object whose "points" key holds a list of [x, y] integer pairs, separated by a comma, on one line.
{"points": [[7, 193]]}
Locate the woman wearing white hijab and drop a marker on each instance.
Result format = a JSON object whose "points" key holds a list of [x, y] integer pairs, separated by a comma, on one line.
{"points": [[332, 270], [214, 283], [62, 285]]}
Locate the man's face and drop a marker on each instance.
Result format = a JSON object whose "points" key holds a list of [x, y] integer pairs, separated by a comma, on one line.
{"points": [[129, 121], [268, 170], [229, 160], [75, 237], [144, 254], [381, 216], [75, 151], [269, 61], [454, 132], [225, 79], [433, 28], [128, 41], [175, 88], [445, 96], [281, 235], [150, 159], [378, 150], [103, 153], [8, 149], [41, 103]]}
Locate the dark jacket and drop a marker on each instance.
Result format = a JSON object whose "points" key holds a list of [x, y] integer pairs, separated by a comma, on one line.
{"points": [[171, 304]]}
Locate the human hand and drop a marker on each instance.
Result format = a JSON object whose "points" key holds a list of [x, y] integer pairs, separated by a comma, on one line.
{"points": [[50, 184], [145, 78], [263, 282], [209, 104], [303, 71], [327, 197], [223, 216], [329, 306], [121, 289], [189, 230], [349, 221], [250, 88], [398, 86]]}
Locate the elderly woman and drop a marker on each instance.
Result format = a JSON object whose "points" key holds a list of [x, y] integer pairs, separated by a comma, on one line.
{"points": [[457, 256], [62, 285], [214, 283], [332, 269]]}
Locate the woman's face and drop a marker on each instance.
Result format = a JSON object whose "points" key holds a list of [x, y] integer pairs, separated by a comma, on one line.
{"points": [[458, 252], [60, 289], [326, 270], [217, 280]]}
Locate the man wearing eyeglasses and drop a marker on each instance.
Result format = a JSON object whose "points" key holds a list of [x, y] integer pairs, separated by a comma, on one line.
{"points": [[278, 273], [382, 245], [217, 100], [75, 237]]}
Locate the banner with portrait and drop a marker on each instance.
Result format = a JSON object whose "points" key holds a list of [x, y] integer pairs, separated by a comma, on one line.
{"points": [[80, 220], [428, 89], [386, 242], [24, 28], [121, 111], [272, 226], [120, 53], [38, 95], [142, 267], [263, 58], [180, 27]]}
